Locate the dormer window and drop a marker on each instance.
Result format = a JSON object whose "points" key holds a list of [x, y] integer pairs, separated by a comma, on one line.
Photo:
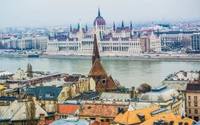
{"points": [[49, 95]]}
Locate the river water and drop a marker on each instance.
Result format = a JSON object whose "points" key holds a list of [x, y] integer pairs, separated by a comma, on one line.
{"points": [[128, 73]]}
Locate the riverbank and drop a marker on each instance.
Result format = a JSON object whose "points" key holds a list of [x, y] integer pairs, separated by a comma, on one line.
{"points": [[142, 57], [139, 58]]}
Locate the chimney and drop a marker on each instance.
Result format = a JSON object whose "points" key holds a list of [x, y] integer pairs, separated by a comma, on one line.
{"points": [[180, 123], [132, 92], [89, 121], [29, 97], [42, 120], [56, 116], [97, 118], [160, 122]]}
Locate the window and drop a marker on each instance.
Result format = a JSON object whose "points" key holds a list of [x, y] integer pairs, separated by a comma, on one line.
{"points": [[189, 111], [196, 118], [196, 111], [195, 97], [189, 103], [195, 103], [188, 97], [49, 95]]}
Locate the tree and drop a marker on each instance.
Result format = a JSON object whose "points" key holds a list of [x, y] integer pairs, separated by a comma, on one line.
{"points": [[144, 87], [29, 70], [30, 110]]}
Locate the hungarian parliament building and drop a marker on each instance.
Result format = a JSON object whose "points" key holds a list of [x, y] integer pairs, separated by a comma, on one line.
{"points": [[118, 41]]}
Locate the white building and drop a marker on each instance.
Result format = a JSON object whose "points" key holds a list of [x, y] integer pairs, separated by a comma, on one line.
{"points": [[118, 42], [155, 43], [164, 97]]}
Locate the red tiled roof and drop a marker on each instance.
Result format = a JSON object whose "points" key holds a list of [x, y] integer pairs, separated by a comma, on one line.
{"points": [[67, 109], [103, 110], [111, 84], [97, 69]]}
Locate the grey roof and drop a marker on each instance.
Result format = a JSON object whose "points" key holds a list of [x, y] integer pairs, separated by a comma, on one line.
{"points": [[158, 111], [70, 121], [44, 92], [163, 95], [193, 87], [177, 85], [115, 96], [17, 111]]}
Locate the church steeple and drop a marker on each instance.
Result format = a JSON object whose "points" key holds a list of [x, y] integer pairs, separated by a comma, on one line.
{"points": [[78, 26], [99, 13], [70, 28], [131, 25], [95, 54], [86, 27], [114, 26], [122, 24]]}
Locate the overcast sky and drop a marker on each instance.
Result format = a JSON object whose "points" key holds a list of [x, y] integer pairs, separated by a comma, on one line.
{"points": [[31, 13]]}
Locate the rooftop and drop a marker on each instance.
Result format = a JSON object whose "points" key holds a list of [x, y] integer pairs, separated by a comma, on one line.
{"points": [[168, 117], [70, 121], [67, 109], [44, 92], [193, 87], [134, 116], [103, 110], [160, 94], [115, 96]]}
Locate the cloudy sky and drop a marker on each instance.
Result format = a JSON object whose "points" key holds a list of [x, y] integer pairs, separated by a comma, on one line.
{"points": [[33, 13]]}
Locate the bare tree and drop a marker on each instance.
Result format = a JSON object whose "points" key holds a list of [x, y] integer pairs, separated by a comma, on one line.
{"points": [[144, 87], [30, 111]]}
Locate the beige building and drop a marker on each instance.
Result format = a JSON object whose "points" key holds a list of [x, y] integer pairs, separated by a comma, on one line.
{"points": [[155, 43], [193, 101], [144, 44], [48, 96], [20, 75], [18, 113], [150, 43]]}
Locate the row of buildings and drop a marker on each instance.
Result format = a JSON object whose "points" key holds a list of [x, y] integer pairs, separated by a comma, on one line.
{"points": [[45, 98], [120, 40], [25, 43]]}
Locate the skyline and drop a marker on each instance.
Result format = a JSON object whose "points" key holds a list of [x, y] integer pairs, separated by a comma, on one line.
{"points": [[22, 13]]}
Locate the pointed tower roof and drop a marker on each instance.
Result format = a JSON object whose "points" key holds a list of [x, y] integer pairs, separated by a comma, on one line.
{"points": [[97, 69], [86, 27], [70, 28], [99, 19], [131, 25], [78, 26], [99, 13], [114, 26], [111, 84], [122, 24], [95, 55]]}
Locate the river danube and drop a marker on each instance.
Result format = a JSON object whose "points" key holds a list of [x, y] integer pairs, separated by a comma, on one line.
{"points": [[128, 73]]}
